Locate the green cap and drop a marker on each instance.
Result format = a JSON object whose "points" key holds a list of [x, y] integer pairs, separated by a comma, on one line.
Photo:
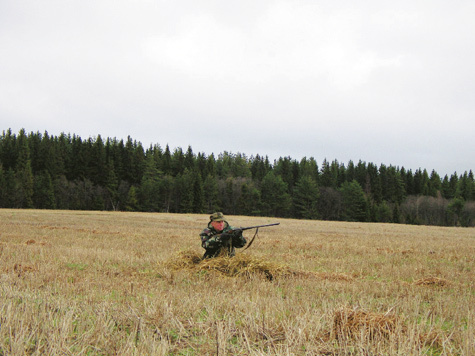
{"points": [[217, 217]]}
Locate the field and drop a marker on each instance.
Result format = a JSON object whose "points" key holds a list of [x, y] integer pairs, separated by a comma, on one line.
{"points": [[104, 283]]}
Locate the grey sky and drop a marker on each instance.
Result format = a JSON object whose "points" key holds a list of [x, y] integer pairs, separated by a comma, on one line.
{"points": [[384, 82]]}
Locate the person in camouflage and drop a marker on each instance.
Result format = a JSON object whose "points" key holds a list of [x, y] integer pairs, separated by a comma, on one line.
{"points": [[221, 238]]}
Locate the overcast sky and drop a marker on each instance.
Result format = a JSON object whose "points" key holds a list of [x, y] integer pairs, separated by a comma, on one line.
{"points": [[389, 82]]}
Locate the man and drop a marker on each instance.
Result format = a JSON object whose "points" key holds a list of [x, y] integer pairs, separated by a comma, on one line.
{"points": [[219, 238]]}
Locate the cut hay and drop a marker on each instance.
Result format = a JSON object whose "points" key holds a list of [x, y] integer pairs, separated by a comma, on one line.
{"points": [[356, 323], [239, 265], [353, 323], [432, 281]]}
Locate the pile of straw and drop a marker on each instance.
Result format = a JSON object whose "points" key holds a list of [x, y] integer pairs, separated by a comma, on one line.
{"points": [[355, 323], [351, 323], [432, 281], [239, 265]]}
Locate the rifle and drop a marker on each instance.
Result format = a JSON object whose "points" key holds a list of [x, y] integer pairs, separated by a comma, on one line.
{"points": [[249, 228]]}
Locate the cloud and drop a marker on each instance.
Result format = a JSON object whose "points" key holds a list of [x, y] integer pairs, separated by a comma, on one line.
{"points": [[372, 80]]}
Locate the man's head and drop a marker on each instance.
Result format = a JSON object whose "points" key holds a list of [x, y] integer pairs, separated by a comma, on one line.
{"points": [[217, 221]]}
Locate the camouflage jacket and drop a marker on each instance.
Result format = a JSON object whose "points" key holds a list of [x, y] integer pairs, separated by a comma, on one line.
{"points": [[211, 239]]}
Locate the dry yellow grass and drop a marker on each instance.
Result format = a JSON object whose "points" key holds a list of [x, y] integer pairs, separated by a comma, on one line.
{"points": [[103, 283]]}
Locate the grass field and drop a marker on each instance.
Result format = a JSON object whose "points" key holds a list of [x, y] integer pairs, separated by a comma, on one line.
{"points": [[104, 283]]}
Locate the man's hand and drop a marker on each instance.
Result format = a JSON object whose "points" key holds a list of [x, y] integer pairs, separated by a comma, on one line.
{"points": [[224, 237]]}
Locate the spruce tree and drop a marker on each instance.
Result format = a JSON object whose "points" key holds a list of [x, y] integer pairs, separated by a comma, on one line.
{"points": [[24, 173], [210, 191], [305, 198], [275, 199], [198, 193], [43, 192], [3, 188], [354, 202]]}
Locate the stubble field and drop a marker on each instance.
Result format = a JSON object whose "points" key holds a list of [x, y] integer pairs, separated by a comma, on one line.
{"points": [[104, 283]]}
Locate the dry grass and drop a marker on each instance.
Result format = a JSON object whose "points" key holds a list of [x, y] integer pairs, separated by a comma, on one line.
{"points": [[352, 323], [238, 266], [99, 283]]}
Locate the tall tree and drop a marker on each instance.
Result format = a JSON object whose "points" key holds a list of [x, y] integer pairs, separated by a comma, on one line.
{"points": [[98, 173], [149, 190], [198, 193], [354, 202], [210, 191], [249, 202], [24, 173], [327, 176], [305, 198], [43, 192], [275, 199], [435, 184]]}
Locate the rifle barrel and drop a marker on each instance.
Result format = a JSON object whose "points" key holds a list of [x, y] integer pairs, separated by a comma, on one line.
{"points": [[256, 227]]}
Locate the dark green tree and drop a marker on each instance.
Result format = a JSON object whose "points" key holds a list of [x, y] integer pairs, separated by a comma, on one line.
{"points": [[435, 184], [3, 188], [354, 202], [249, 202], [305, 198], [43, 192], [97, 169], [328, 176], [309, 167], [198, 193], [24, 173], [454, 211], [189, 161], [149, 190], [132, 200], [275, 199], [210, 194]]}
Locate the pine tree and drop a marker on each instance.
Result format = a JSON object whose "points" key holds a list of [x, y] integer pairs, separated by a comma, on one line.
{"points": [[327, 176], [149, 189], [184, 190], [354, 202], [189, 160], [132, 201], [305, 198], [198, 193], [454, 211], [309, 167], [9, 150], [112, 186], [167, 193], [178, 162], [167, 161], [3, 188], [13, 193], [275, 199], [249, 201], [24, 173], [43, 192], [210, 191], [97, 170], [435, 184]]}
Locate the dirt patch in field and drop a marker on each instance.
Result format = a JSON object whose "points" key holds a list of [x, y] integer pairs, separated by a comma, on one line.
{"points": [[239, 265]]}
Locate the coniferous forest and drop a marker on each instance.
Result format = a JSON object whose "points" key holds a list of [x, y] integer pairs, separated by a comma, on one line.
{"points": [[68, 172]]}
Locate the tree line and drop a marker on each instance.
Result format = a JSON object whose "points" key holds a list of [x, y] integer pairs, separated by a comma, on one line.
{"points": [[67, 172]]}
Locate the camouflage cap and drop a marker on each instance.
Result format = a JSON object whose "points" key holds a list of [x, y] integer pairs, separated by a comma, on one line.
{"points": [[217, 217]]}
